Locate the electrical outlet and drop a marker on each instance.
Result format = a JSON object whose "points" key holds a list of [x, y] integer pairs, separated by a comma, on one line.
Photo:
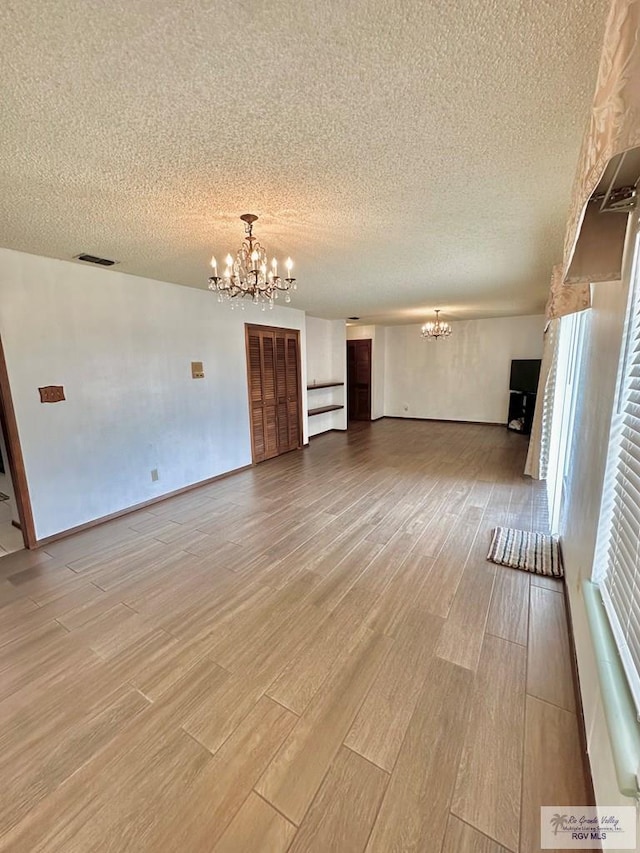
{"points": [[154, 475]]}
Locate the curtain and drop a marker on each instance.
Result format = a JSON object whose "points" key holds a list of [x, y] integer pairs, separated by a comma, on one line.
{"points": [[563, 300], [594, 241], [566, 298], [538, 453], [599, 248]]}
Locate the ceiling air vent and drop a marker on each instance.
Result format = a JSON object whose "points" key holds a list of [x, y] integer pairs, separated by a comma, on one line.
{"points": [[353, 318], [92, 259]]}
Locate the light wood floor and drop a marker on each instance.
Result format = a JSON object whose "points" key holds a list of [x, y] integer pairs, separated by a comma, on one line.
{"points": [[313, 655]]}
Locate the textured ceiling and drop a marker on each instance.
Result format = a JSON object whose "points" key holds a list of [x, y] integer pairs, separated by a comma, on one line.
{"points": [[408, 154]]}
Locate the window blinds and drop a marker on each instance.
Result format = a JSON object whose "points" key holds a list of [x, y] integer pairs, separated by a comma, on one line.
{"points": [[549, 394], [620, 583]]}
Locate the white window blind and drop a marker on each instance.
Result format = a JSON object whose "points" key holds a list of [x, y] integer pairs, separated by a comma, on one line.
{"points": [[619, 577], [568, 365], [549, 395]]}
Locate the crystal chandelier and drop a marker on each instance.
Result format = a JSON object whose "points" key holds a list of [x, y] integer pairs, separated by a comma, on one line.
{"points": [[432, 331], [249, 275]]}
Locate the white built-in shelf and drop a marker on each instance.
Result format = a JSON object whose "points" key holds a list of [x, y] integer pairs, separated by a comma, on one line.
{"points": [[322, 409], [324, 385]]}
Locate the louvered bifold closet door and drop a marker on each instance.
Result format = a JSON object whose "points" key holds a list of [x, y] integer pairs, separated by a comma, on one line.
{"points": [[293, 390], [262, 393], [254, 358], [621, 585], [273, 365], [281, 382], [270, 399]]}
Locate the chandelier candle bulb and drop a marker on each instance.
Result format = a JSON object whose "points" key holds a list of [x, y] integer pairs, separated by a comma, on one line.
{"points": [[214, 265]]}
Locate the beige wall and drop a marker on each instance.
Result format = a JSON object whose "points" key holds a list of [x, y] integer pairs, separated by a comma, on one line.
{"points": [[122, 347], [327, 361], [462, 378]]}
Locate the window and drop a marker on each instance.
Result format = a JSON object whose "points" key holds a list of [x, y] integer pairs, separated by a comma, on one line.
{"points": [[565, 401], [617, 565]]}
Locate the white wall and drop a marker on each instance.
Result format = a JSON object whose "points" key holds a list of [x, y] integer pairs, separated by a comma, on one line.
{"points": [[377, 334], [378, 370], [582, 508], [464, 377], [122, 347], [326, 361]]}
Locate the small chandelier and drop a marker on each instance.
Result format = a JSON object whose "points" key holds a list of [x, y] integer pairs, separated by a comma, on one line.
{"points": [[433, 331], [249, 275]]}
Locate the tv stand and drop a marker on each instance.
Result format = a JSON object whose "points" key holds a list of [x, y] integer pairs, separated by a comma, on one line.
{"points": [[522, 405]]}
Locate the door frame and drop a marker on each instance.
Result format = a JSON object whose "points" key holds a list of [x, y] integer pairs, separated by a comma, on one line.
{"points": [[15, 458], [369, 343], [266, 328]]}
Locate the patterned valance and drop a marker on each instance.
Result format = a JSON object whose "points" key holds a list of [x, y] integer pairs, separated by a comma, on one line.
{"points": [[566, 299], [594, 241]]}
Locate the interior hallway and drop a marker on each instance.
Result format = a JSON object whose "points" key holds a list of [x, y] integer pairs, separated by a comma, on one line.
{"points": [[312, 655], [10, 535]]}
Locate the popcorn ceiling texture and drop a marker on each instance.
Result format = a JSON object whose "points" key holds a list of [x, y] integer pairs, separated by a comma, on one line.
{"points": [[408, 154]]}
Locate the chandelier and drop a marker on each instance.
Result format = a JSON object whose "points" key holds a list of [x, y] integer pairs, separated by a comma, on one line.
{"points": [[249, 275], [432, 331]]}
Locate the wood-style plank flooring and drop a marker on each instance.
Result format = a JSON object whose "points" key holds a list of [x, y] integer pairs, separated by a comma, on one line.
{"points": [[312, 655]]}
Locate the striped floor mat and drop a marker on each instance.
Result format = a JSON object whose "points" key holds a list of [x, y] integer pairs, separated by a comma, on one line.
{"points": [[531, 552]]}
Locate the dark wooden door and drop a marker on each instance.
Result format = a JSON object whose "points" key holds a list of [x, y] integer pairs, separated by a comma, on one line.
{"points": [[359, 380], [273, 367]]}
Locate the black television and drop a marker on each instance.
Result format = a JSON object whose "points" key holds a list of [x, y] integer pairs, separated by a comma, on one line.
{"points": [[524, 375]]}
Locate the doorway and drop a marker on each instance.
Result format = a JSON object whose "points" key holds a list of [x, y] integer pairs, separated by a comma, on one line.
{"points": [[10, 533], [359, 380], [17, 529], [275, 393]]}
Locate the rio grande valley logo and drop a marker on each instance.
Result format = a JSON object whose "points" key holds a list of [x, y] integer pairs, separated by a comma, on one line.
{"points": [[588, 827]]}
